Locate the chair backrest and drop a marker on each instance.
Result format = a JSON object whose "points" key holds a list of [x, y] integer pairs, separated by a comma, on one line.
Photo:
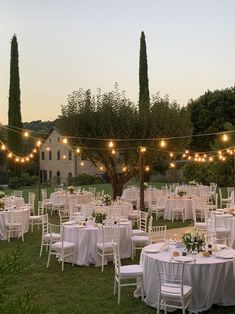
{"points": [[170, 273], [157, 234], [58, 229], [229, 191], [31, 200], [45, 221], [40, 208], [92, 190], [109, 233], [64, 216], [44, 193], [116, 258], [18, 193], [142, 221]]}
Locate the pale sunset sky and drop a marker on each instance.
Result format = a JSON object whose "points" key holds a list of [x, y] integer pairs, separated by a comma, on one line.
{"points": [[65, 45]]}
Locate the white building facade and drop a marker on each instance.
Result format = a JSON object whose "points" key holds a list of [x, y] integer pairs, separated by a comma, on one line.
{"points": [[58, 159]]}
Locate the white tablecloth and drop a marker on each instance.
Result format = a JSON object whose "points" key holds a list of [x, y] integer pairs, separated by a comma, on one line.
{"points": [[85, 240], [63, 198], [13, 202], [133, 194], [19, 214], [228, 222], [212, 279], [122, 209]]}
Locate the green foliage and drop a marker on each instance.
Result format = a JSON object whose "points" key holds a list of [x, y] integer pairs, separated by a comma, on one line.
{"points": [[24, 180], [14, 111], [11, 266], [210, 113], [112, 115], [144, 99], [221, 173], [85, 179]]}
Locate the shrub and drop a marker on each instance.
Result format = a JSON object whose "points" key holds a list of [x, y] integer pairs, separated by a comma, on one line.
{"points": [[24, 180], [85, 179]]}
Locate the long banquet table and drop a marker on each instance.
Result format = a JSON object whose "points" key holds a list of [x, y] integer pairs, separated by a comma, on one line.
{"points": [[212, 278], [85, 239]]}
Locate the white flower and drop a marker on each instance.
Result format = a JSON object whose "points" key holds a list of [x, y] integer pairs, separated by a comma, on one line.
{"points": [[2, 194]]}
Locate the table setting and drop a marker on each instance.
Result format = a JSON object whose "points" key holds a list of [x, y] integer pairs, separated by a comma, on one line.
{"points": [[209, 270]]}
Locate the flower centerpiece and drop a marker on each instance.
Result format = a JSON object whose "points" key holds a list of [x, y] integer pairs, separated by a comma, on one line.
{"points": [[107, 199], [181, 192], [2, 205], [146, 185], [100, 215], [194, 240], [71, 189], [2, 194]]}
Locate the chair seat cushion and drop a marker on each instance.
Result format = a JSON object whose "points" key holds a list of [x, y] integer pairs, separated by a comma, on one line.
{"points": [[139, 238], [106, 246], [219, 230], [138, 232], [201, 225], [47, 236], [129, 271], [172, 290], [35, 217], [13, 224], [58, 245]]}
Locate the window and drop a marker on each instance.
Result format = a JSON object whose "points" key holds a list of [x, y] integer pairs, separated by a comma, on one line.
{"points": [[58, 155], [50, 155], [49, 140], [70, 174], [50, 174], [58, 139], [43, 155], [58, 173], [70, 155], [83, 156]]}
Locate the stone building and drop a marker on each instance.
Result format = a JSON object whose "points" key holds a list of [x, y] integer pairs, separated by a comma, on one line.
{"points": [[58, 159]]}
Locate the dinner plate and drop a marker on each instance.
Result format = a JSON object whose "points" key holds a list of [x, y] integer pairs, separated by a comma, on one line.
{"points": [[224, 255], [151, 250], [69, 223], [185, 259], [79, 226]]}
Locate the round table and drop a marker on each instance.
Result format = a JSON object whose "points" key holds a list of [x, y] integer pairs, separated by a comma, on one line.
{"points": [[212, 279], [21, 215], [121, 209], [13, 201], [63, 198], [85, 239]]}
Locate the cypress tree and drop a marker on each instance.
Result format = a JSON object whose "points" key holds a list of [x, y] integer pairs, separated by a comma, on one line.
{"points": [[14, 110], [144, 100]]}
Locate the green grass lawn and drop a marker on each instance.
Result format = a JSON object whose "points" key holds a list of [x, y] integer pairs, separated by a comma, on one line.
{"points": [[77, 290]]}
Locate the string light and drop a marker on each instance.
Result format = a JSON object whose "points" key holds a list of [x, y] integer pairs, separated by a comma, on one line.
{"points": [[82, 163], [147, 168], [3, 147], [64, 156], [171, 154], [225, 137], [172, 165], [186, 151], [65, 140], [9, 155], [78, 150], [124, 169], [111, 144], [48, 148], [39, 143], [101, 168], [142, 149], [113, 152], [162, 143], [26, 134]]}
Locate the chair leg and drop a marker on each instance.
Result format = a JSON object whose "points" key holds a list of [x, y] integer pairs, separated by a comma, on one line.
{"points": [[62, 263], [49, 257], [102, 262], [119, 292], [114, 286]]}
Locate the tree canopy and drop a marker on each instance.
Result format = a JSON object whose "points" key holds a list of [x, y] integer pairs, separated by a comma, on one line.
{"points": [[211, 113], [94, 119]]}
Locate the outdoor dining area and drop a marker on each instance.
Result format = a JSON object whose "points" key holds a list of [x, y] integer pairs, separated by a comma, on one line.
{"points": [[187, 269]]}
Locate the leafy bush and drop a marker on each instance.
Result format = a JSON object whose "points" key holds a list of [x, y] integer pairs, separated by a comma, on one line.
{"points": [[221, 173], [24, 180], [85, 179]]}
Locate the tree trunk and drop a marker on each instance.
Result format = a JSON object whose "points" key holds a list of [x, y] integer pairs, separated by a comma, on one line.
{"points": [[117, 188]]}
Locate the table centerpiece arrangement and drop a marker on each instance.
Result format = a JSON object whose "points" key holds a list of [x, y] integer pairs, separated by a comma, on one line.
{"points": [[107, 199], [99, 215], [71, 189], [194, 241], [181, 192]]}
